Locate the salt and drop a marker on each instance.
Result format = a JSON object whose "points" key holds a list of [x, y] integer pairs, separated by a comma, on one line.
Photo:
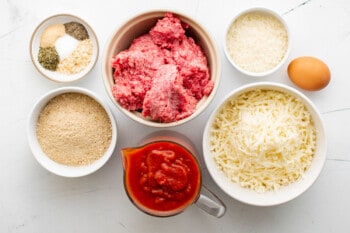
{"points": [[65, 45]]}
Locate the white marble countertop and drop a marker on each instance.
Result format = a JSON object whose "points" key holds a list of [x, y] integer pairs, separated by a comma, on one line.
{"points": [[33, 200]]}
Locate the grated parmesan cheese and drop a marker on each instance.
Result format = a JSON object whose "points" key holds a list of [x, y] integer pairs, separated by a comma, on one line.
{"points": [[263, 139], [257, 42]]}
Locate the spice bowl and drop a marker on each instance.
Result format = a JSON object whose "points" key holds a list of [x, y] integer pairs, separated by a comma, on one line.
{"points": [[257, 42], [124, 37], [64, 48], [71, 132], [257, 173]]}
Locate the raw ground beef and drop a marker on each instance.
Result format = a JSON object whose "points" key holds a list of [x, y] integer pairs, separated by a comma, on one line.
{"points": [[168, 31], [163, 74], [168, 100], [134, 70]]}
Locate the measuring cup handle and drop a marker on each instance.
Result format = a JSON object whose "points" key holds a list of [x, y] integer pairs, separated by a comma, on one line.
{"points": [[210, 203]]}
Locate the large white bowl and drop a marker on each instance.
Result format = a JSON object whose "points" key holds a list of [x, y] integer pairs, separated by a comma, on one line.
{"points": [[286, 193], [43, 159], [141, 24]]}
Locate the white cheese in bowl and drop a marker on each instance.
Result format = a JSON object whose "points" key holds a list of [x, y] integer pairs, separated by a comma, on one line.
{"points": [[257, 41], [263, 139]]}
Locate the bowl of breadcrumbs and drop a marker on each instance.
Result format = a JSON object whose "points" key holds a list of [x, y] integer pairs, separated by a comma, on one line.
{"points": [[71, 132], [64, 48]]}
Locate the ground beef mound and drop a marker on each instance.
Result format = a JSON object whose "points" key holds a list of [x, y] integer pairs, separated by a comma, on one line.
{"points": [[168, 99], [163, 74]]}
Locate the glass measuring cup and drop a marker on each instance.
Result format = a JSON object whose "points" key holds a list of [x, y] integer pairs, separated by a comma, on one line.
{"points": [[162, 176]]}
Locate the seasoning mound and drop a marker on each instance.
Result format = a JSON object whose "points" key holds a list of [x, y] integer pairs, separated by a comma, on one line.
{"points": [[51, 34], [54, 58], [73, 129], [48, 58], [76, 30], [163, 74]]}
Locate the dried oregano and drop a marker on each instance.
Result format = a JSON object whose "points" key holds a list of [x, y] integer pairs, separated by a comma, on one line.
{"points": [[48, 58]]}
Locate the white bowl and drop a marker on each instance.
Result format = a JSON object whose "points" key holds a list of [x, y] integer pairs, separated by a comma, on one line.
{"points": [[282, 61], [35, 45], [43, 159], [285, 193], [141, 24]]}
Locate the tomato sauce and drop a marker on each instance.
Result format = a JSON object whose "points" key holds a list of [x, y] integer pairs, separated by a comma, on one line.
{"points": [[161, 177]]}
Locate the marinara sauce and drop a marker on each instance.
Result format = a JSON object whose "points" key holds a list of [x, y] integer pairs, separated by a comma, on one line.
{"points": [[161, 178]]}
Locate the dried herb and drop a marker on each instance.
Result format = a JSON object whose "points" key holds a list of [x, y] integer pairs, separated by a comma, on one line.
{"points": [[76, 30], [48, 58]]}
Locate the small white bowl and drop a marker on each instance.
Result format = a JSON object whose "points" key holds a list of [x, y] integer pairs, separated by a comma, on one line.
{"points": [[285, 193], [265, 72], [141, 24], [43, 159], [35, 45]]}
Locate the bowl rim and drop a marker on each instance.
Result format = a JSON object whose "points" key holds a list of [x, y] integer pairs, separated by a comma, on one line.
{"points": [[287, 193], [123, 26], [93, 36], [44, 160], [286, 55]]}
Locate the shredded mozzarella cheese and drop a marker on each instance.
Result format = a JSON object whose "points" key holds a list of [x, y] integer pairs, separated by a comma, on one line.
{"points": [[263, 139]]}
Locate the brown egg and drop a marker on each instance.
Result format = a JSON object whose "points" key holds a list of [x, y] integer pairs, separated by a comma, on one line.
{"points": [[309, 73]]}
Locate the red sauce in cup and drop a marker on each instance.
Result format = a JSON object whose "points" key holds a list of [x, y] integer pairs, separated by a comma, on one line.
{"points": [[161, 178]]}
